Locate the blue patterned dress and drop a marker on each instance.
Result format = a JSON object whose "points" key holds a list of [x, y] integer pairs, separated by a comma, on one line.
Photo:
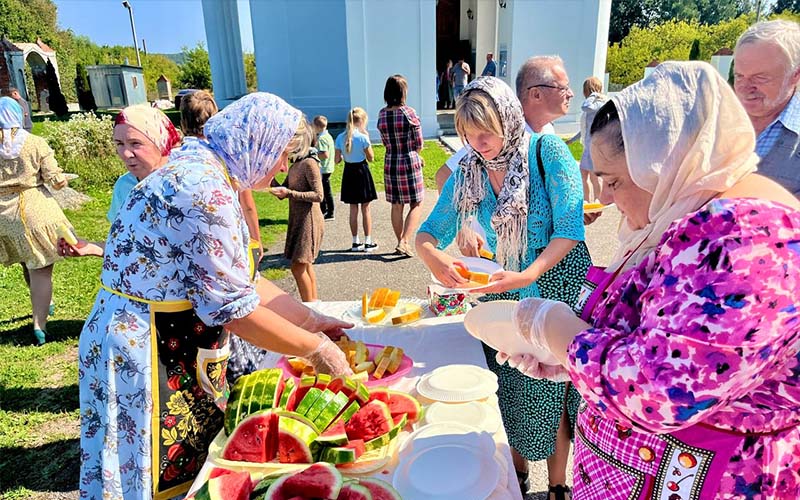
{"points": [[531, 408], [152, 364]]}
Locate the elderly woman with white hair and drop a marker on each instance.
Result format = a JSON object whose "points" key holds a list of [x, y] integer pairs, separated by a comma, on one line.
{"points": [[686, 351]]}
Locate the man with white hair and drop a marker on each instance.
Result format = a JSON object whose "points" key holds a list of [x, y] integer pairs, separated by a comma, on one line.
{"points": [[766, 65]]}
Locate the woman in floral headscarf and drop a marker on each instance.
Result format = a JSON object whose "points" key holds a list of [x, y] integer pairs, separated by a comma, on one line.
{"points": [[532, 212], [29, 216], [177, 276]]}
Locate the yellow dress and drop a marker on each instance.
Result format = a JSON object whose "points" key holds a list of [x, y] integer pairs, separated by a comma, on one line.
{"points": [[29, 215]]}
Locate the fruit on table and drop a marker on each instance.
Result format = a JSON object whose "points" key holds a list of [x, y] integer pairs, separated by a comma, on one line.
{"points": [[375, 316], [66, 233], [294, 439], [486, 254], [392, 298], [353, 491], [369, 422], [254, 439], [411, 313], [228, 485], [401, 403], [377, 298], [321, 480], [381, 490], [257, 391]]}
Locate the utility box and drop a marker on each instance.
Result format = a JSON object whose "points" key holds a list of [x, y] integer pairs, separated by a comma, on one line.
{"points": [[117, 85]]}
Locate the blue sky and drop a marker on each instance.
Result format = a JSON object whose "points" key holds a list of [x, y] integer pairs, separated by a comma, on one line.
{"points": [[166, 25]]}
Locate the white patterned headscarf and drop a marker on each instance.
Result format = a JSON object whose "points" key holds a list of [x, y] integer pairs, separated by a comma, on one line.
{"points": [[251, 134], [13, 135], [687, 139], [510, 219]]}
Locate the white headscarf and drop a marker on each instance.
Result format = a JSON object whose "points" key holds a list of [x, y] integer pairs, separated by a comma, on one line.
{"points": [[13, 135], [251, 134], [687, 139]]}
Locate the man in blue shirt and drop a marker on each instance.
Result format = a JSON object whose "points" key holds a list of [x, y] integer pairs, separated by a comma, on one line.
{"points": [[491, 68], [766, 75]]}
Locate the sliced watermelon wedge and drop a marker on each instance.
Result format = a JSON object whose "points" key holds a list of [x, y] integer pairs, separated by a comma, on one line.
{"points": [[232, 408], [400, 403], [294, 439], [321, 402], [354, 491], [348, 412], [321, 480], [331, 411], [254, 440], [379, 393], [333, 436], [288, 390], [381, 490], [369, 422], [343, 384], [323, 379], [339, 455], [232, 486]]}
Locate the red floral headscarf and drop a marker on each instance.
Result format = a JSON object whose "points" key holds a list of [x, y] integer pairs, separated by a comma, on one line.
{"points": [[153, 123]]}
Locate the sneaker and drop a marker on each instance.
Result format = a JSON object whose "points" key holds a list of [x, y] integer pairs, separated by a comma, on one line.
{"points": [[369, 247], [357, 247], [330, 217]]}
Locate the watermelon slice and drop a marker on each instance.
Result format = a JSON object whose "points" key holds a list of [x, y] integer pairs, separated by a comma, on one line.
{"points": [[231, 486], [233, 405], [264, 485], [294, 438], [319, 404], [400, 403], [379, 393], [333, 436], [298, 417], [361, 395], [343, 384], [358, 445], [287, 391], [378, 442], [273, 388], [305, 385], [381, 490], [323, 379], [399, 422], [369, 422], [348, 412], [353, 491], [321, 480], [339, 455], [308, 400], [259, 380], [331, 411], [255, 439]]}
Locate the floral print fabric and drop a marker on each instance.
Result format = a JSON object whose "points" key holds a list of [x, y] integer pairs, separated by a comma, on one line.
{"points": [[706, 330], [180, 235]]}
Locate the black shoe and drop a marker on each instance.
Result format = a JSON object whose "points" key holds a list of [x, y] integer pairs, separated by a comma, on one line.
{"points": [[369, 247], [357, 247], [330, 217]]}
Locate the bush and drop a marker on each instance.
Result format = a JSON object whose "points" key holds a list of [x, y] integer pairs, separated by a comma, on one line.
{"points": [[84, 145]]}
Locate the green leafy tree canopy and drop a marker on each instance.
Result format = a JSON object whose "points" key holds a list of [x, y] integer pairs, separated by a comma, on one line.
{"points": [[195, 72]]}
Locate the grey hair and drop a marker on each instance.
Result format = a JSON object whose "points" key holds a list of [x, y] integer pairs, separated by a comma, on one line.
{"points": [[538, 69], [785, 34]]}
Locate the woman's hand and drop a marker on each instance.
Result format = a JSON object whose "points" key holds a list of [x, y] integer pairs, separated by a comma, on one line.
{"points": [[82, 249], [445, 269], [503, 281], [280, 192], [470, 242], [328, 358], [531, 367], [61, 185]]}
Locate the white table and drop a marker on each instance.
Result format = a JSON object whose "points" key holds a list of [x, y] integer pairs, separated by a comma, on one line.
{"points": [[431, 343]]}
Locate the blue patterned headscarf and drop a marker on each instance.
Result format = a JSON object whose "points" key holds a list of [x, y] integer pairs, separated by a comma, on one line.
{"points": [[11, 118], [251, 134]]}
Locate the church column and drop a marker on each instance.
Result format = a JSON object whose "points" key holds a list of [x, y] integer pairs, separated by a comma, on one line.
{"points": [[221, 18]]}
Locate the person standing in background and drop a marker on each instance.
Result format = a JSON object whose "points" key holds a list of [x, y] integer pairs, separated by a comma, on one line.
{"points": [[325, 152], [27, 123], [491, 68], [460, 75]]}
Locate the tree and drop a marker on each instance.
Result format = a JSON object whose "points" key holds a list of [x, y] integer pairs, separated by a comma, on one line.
{"points": [[250, 75], [694, 52], [784, 5], [195, 72], [58, 104], [83, 89]]}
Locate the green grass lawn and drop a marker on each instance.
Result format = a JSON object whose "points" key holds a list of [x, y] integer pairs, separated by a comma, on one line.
{"points": [[39, 386]]}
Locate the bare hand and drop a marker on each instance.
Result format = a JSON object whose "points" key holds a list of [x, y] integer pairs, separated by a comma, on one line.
{"points": [[82, 249], [503, 281], [470, 242], [444, 268], [589, 218], [280, 192], [61, 185]]}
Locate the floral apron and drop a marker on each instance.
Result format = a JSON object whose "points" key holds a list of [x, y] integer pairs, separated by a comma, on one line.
{"points": [[189, 389], [682, 465]]}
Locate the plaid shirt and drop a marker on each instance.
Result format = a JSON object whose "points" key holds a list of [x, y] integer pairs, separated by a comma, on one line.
{"points": [[789, 119]]}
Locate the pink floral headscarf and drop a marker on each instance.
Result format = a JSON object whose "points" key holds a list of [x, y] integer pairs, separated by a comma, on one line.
{"points": [[153, 123]]}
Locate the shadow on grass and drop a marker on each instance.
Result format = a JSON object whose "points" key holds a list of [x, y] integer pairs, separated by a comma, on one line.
{"points": [[49, 467], [57, 330], [268, 221], [38, 399]]}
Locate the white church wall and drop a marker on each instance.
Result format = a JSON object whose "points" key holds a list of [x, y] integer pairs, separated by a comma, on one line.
{"points": [[486, 32], [404, 44], [301, 54]]}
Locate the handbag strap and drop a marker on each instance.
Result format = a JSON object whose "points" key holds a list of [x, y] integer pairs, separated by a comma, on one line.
{"points": [[539, 159]]}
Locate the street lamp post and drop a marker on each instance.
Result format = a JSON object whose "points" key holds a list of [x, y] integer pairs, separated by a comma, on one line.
{"points": [[128, 6]]}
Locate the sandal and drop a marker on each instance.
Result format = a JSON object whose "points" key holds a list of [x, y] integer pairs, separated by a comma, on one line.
{"points": [[40, 336], [523, 478], [560, 491]]}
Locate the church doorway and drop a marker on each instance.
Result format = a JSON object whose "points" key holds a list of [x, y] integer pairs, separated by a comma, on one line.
{"points": [[36, 80], [449, 45]]}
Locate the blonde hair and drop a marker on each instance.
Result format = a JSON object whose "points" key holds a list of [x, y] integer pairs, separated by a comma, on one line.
{"points": [[475, 110], [592, 85], [355, 118], [301, 142], [196, 109]]}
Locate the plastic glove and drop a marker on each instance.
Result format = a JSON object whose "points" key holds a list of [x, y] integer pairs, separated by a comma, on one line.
{"points": [[328, 358], [332, 327], [531, 367], [529, 319]]}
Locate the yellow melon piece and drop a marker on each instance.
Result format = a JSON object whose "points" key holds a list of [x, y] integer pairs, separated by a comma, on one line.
{"points": [[297, 364], [486, 254], [464, 272], [381, 368], [394, 359], [375, 316], [378, 298], [391, 298], [482, 278], [411, 314], [64, 232], [592, 206], [364, 305]]}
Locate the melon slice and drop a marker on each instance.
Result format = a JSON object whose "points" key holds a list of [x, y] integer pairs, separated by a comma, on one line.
{"points": [[486, 254], [375, 316], [272, 387], [362, 394], [354, 491], [287, 391], [338, 455], [265, 484], [401, 403], [409, 314], [482, 278], [357, 445], [321, 402], [298, 417], [231, 486], [294, 439], [392, 298], [321, 480], [378, 298], [306, 383], [331, 411], [243, 404], [348, 412], [381, 490], [379, 393], [343, 384], [323, 379], [233, 405], [254, 440], [399, 423], [334, 435], [308, 400], [378, 442], [364, 305], [369, 422], [65, 233]]}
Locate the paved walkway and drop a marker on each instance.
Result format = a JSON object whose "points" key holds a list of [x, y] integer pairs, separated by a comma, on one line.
{"points": [[343, 275]]}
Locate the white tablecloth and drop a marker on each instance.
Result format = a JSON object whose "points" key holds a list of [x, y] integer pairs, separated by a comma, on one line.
{"points": [[431, 343]]}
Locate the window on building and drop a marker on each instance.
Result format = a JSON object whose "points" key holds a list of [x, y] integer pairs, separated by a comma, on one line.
{"points": [[135, 82]]}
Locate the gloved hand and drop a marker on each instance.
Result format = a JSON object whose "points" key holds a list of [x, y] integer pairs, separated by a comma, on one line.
{"points": [[332, 327], [328, 358], [529, 319], [531, 367]]}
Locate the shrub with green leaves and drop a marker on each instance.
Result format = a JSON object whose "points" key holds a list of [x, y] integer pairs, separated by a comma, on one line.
{"points": [[84, 145]]}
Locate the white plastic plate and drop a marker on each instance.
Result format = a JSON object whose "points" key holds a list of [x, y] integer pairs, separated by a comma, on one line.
{"points": [[457, 384], [474, 264], [475, 414]]}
